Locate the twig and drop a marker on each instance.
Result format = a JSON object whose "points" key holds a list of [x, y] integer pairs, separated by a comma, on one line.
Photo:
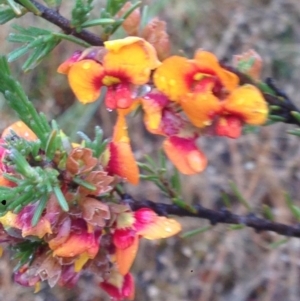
{"points": [[216, 216], [56, 18]]}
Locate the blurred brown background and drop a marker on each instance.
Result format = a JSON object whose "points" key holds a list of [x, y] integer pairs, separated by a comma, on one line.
{"points": [[220, 264]]}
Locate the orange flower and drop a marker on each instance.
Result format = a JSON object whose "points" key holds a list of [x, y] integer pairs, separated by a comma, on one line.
{"points": [[121, 161], [245, 104], [178, 76], [248, 103], [180, 145], [209, 95], [77, 244], [21, 129], [125, 64], [185, 155], [141, 223], [201, 107]]}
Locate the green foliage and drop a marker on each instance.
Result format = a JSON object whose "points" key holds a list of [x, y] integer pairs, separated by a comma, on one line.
{"points": [[267, 212], [98, 145], [53, 3], [7, 13], [19, 102], [167, 181], [23, 252], [30, 6], [239, 195], [80, 13], [110, 11], [192, 233], [39, 42], [295, 210]]}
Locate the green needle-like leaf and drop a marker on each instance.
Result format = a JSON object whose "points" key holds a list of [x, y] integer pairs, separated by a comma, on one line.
{"points": [[239, 195], [84, 184], [61, 198], [96, 22], [194, 232], [295, 210], [39, 210]]}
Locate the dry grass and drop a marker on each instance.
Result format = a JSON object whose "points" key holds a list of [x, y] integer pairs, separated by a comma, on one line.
{"points": [[221, 264]]}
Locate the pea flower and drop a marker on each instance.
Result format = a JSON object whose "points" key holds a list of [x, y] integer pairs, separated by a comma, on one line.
{"points": [[210, 95], [130, 226], [180, 146], [121, 66]]}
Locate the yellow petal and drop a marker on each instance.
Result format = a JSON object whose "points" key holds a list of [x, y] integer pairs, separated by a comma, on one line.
{"points": [[85, 80], [207, 61], [162, 228], [8, 220], [125, 257], [174, 77], [21, 129], [247, 102], [81, 261], [122, 162], [184, 154], [200, 107], [131, 58]]}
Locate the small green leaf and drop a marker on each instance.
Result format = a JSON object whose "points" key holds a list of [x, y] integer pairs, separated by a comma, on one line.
{"points": [[150, 161], [239, 195], [275, 108], [226, 200], [24, 199], [61, 198], [296, 115], [144, 17], [148, 177], [96, 22], [39, 210], [295, 132], [194, 232], [53, 3], [267, 212], [236, 227], [146, 167], [84, 184], [15, 7], [180, 203], [276, 118], [295, 210], [30, 6], [175, 181], [278, 243], [7, 13], [162, 160], [52, 144]]}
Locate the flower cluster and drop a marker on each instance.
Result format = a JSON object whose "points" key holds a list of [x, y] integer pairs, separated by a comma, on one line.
{"points": [[181, 98], [95, 235]]}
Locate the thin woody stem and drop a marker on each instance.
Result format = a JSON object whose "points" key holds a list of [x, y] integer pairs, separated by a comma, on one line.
{"points": [[56, 18], [223, 216]]}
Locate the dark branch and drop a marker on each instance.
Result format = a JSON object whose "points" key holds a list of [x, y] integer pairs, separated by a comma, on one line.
{"points": [[54, 17], [222, 216]]}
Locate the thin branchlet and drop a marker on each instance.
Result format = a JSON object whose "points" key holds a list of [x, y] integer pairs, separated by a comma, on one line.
{"points": [[223, 216], [57, 19]]}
